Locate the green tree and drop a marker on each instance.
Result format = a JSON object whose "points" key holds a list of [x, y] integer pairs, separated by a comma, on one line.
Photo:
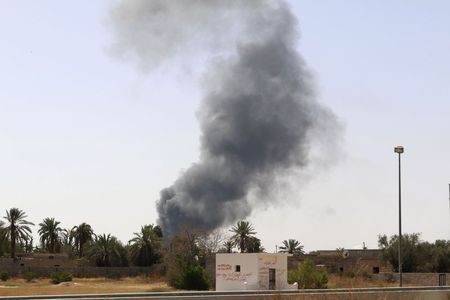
{"points": [[254, 245], [107, 251], [242, 231], [292, 246], [49, 233], [441, 256], [410, 251], [17, 228], [82, 234], [182, 261], [145, 247], [308, 276], [227, 247]]}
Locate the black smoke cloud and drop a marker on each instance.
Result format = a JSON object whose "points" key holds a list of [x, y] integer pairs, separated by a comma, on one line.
{"points": [[258, 117]]}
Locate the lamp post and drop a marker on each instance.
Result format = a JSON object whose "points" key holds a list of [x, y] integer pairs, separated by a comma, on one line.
{"points": [[399, 150]]}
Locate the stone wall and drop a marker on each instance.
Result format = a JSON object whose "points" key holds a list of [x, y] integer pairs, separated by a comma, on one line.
{"points": [[112, 272], [415, 279]]}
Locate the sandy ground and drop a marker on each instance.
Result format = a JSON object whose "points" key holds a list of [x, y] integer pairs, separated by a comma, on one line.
{"points": [[43, 286]]}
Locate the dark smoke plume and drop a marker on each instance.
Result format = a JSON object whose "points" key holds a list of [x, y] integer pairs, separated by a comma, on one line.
{"points": [[258, 116]]}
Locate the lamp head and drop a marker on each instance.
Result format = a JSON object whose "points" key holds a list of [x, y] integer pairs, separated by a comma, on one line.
{"points": [[399, 149]]}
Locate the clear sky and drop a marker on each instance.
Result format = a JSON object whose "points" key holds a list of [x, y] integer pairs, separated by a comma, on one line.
{"points": [[85, 137]]}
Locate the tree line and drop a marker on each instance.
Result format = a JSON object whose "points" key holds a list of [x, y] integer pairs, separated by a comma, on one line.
{"points": [[185, 254], [104, 250], [417, 255]]}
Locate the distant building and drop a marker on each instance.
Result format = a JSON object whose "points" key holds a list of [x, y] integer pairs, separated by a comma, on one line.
{"points": [[352, 260], [251, 271]]}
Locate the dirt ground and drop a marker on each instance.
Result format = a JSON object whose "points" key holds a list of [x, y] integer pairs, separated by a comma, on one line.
{"points": [[43, 286]]}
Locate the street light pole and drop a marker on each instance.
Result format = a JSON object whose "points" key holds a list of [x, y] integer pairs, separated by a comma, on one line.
{"points": [[399, 150]]}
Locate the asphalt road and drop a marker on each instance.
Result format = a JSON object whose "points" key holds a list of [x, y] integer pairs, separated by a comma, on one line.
{"points": [[233, 294]]}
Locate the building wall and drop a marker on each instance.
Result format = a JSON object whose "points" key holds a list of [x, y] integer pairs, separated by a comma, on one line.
{"points": [[227, 279], [272, 261], [357, 261], [254, 271]]}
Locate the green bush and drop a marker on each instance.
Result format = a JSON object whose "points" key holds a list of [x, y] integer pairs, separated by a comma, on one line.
{"points": [[190, 277], [308, 277], [195, 278], [4, 275], [29, 276], [58, 277]]}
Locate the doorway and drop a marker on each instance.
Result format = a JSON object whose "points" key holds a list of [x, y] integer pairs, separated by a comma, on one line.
{"points": [[272, 281]]}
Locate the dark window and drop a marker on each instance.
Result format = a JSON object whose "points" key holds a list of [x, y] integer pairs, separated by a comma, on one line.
{"points": [[22, 265], [376, 270], [237, 268], [341, 269]]}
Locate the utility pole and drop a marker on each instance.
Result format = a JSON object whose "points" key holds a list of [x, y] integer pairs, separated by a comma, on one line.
{"points": [[399, 150]]}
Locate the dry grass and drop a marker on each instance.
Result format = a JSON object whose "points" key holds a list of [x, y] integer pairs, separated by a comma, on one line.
{"points": [[43, 286], [336, 281]]}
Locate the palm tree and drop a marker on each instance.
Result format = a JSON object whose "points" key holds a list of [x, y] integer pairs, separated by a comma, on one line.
{"points": [[29, 244], [107, 251], [82, 234], [50, 232], [292, 246], [243, 231], [67, 237], [228, 246], [3, 239], [145, 246], [17, 228]]}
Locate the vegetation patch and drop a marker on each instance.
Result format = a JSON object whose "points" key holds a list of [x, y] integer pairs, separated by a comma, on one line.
{"points": [[58, 277], [308, 276], [29, 276], [4, 276]]}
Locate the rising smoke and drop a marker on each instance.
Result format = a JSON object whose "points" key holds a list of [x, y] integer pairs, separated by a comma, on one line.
{"points": [[258, 117]]}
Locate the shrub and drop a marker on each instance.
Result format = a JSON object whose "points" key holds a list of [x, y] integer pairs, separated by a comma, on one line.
{"points": [[308, 277], [184, 270], [58, 277], [4, 275], [29, 276], [195, 278]]}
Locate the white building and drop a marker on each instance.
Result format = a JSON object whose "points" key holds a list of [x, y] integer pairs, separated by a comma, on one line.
{"points": [[252, 271]]}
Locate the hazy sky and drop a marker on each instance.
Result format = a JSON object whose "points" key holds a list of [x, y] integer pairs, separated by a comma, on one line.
{"points": [[85, 137]]}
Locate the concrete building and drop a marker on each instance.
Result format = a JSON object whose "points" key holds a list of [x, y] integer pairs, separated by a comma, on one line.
{"points": [[252, 271], [357, 261]]}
